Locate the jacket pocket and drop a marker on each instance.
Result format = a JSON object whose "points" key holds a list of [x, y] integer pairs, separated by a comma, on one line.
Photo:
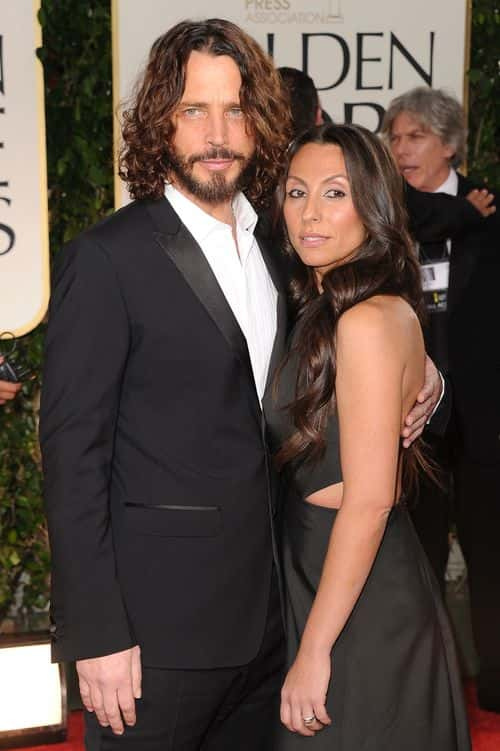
{"points": [[173, 520]]}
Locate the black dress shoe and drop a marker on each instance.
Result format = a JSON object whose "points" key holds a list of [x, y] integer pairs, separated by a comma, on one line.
{"points": [[488, 691], [488, 704]]}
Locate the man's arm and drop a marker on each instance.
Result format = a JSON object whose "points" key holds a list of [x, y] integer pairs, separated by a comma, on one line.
{"points": [[86, 352], [437, 216], [432, 408]]}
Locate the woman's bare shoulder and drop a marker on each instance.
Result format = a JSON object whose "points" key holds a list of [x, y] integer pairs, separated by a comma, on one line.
{"points": [[385, 319], [379, 311]]}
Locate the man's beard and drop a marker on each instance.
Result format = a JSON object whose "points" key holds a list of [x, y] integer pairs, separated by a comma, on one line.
{"points": [[217, 189]]}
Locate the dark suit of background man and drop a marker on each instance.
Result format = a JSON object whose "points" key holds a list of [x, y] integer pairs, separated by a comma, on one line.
{"points": [[427, 132], [158, 489]]}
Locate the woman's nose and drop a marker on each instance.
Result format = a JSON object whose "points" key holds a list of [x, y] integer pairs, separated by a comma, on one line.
{"points": [[312, 212]]}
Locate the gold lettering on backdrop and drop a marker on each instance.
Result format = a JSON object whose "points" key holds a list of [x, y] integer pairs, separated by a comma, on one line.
{"points": [[7, 234], [24, 251]]}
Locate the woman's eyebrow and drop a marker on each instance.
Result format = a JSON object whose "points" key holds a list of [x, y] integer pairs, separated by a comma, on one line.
{"points": [[326, 180], [335, 177]]}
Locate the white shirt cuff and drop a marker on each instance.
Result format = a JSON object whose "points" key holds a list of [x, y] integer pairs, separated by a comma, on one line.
{"points": [[439, 400]]}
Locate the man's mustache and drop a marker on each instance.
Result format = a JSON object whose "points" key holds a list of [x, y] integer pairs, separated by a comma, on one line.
{"points": [[214, 154]]}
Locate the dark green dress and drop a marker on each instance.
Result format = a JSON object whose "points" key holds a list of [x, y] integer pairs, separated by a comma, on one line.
{"points": [[395, 682]]}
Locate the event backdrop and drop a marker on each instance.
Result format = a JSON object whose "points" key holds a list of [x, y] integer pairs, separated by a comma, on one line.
{"points": [[360, 54], [24, 254]]}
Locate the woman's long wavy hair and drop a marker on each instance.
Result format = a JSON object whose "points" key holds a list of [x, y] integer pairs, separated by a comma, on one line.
{"points": [[148, 125], [385, 264]]}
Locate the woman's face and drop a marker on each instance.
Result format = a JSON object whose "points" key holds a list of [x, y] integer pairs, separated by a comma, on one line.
{"points": [[323, 226]]}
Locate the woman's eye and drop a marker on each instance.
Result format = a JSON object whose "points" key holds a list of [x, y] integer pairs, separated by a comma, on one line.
{"points": [[335, 193], [295, 193]]}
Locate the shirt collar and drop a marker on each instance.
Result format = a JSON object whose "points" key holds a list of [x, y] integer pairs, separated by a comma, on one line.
{"points": [[194, 217], [244, 213], [198, 222], [450, 185]]}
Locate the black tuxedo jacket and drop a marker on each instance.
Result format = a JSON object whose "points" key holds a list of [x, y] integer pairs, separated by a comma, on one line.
{"points": [[157, 483], [473, 312], [474, 324], [438, 216]]}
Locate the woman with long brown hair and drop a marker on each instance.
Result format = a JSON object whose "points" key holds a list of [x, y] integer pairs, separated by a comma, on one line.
{"points": [[371, 662]]}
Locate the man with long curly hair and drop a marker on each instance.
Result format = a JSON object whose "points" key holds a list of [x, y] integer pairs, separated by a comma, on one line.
{"points": [[162, 327]]}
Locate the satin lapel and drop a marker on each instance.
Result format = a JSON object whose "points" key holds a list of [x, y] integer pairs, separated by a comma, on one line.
{"points": [[276, 274], [183, 250]]}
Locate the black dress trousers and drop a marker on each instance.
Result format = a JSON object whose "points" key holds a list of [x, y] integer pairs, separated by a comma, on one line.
{"points": [[478, 522], [224, 709]]}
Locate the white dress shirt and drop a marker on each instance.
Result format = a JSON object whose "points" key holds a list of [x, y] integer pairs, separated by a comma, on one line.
{"points": [[450, 186], [240, 271]]}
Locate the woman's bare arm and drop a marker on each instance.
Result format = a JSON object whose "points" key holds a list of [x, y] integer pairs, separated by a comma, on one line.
{"points": [[369, 388]]}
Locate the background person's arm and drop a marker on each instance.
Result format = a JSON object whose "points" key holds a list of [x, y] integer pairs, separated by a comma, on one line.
{"points": [[438, 216], [8, 390]]}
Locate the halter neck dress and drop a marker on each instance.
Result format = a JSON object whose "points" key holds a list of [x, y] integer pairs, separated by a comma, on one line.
{"points": [[395, 682]]}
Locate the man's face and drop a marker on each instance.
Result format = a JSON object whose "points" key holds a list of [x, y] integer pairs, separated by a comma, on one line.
{"points": [[212, 143], [422, 157]]}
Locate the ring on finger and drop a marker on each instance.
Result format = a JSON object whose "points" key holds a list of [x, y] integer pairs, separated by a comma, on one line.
{"points": [[309, 720]]}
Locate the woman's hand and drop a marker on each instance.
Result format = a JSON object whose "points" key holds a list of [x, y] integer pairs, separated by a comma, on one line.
{"points": [[303, 694]]}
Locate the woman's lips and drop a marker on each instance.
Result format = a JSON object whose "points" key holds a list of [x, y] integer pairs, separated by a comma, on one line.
{"points": [[312, 240]]}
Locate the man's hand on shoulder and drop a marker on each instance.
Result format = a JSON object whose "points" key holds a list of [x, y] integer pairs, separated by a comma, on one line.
{"points": [[427, 400], [110, 685], [482, 200]]}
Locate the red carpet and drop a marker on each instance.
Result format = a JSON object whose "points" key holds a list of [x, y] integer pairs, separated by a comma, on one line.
{"points": [[75, 737], [485, 729], [485, 726]]}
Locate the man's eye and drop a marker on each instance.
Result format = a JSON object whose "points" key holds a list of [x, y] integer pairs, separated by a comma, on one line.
{"points": [[235, 113], [192, 112], [295, 193]]}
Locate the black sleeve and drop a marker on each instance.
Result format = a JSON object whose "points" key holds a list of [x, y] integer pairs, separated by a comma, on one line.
{"points": [[437, 216], [85, 356]]}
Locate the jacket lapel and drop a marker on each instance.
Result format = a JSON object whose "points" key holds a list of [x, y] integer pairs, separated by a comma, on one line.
{"points": [[277, 275], [183, 250]]}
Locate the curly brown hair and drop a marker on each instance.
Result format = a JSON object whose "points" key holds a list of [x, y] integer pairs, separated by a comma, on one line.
{"points": [[147, 130]]}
